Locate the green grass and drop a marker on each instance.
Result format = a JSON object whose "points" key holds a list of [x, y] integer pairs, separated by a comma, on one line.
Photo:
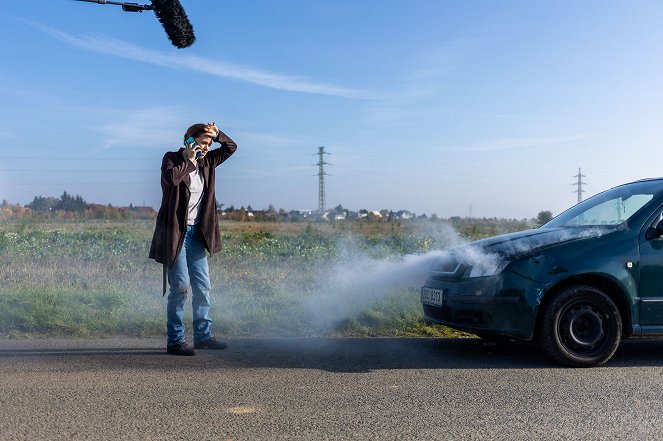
{"points": [[58, 311], [93, 279]]}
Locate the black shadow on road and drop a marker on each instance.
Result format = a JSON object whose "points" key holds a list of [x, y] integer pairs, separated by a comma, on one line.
{"points": [[327, 354]]}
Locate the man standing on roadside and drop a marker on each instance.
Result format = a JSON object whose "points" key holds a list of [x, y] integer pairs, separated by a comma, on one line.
{"points": [[187, 228]]}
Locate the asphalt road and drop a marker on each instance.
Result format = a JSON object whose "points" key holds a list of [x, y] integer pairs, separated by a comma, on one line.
{"points": [[312, 389]]}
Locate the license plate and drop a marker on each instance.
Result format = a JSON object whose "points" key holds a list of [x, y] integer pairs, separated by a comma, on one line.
{"points": [[431, 296]]}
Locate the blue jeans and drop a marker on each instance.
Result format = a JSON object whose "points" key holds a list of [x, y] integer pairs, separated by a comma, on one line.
{"points": [[189, 269]]}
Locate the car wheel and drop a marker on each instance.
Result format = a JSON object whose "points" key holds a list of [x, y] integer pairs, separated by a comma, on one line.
{"points": [[580, 327]]}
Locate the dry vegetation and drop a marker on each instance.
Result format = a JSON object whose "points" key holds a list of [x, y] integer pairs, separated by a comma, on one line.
{"points": [[93, 278]]}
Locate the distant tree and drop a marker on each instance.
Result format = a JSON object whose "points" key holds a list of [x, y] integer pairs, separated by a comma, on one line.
{"points": [[43, 204], [68, 202], [544, 217]]}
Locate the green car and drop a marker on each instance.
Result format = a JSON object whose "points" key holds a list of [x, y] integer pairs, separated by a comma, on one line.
{"points": [[576, 286]]}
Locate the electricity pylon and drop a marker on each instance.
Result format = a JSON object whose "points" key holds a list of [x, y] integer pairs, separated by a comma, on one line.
{"points": [[579, 183], [321, 178]]}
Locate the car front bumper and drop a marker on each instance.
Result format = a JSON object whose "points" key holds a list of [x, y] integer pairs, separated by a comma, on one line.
{"points": [[505, 304]]}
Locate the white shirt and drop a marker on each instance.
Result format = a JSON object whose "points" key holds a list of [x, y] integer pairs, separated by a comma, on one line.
{"points": [[196, 187]]}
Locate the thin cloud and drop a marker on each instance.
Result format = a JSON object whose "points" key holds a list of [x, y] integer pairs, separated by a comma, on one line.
{"points": [[423, 84], [265, 138], [6, 134], [141, 127], [519, 143], [178, 60], [246, 174]]}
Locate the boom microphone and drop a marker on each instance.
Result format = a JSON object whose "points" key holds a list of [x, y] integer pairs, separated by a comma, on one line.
{"points": [[127, 7], [171, 15], [175, 22]]}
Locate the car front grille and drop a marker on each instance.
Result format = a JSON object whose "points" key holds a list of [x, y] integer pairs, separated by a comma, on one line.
{"points": [[435, 313], [474, 317]]}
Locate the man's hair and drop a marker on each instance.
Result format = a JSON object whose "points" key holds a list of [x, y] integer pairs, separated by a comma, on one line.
{"points": [[195, 131]]}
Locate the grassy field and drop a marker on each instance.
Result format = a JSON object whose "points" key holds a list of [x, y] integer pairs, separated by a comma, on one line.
{"points": [[93, 279]]}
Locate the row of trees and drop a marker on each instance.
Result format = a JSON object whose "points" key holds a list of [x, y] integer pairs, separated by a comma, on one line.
{"points": [[69, 206]]}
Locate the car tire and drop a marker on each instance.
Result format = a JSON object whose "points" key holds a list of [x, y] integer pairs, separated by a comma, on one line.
{"points": [[580, 327]]}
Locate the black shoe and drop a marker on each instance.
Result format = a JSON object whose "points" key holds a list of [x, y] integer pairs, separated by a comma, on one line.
{"points": [[212, 343], [183, 349]]}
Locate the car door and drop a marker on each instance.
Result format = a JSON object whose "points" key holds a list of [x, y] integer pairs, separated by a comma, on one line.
{"points": [[651, 274]]}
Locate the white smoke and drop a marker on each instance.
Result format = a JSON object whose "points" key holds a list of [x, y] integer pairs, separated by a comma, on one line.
{"points": [[352, 286], [517, 247], [358, 280]]}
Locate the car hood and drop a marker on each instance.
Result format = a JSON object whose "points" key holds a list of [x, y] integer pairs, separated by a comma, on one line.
{"points": [[524, 242]]}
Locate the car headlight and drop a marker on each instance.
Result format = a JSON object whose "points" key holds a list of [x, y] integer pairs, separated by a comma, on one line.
{"points": [[489, 268]]}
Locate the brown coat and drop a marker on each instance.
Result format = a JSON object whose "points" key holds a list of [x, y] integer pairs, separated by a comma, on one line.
{"points": [[172, 217]]}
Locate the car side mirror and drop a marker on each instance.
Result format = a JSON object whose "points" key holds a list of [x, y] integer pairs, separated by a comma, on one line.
{"points": [[654, 232]]}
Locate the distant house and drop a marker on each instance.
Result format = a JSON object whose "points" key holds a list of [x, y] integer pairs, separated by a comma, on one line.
{"points": [[305, 212], [374, 215]]}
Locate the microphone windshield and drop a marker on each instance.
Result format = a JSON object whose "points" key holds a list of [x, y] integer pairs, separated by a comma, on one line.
{"points": [[175, 22]]}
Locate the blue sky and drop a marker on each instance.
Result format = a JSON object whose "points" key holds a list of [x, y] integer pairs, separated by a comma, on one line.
{"points": [[431, 106]]}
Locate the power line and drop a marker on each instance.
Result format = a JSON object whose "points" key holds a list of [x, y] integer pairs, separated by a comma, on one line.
{"points": [[87, 184], [61, 158], [77, 170]]}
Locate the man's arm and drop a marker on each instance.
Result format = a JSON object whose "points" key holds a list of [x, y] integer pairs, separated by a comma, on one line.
{"points": [[228, 147]]}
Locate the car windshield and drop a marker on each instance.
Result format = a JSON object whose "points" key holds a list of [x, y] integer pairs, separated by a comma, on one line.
{"points": [[612, 207]]}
